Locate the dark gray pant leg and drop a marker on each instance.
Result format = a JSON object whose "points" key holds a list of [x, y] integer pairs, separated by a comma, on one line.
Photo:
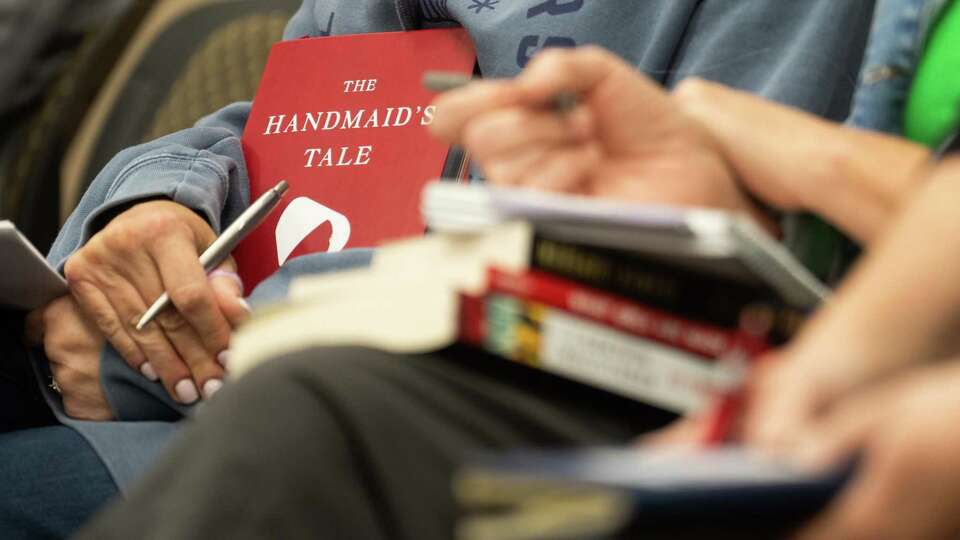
{"points": [[355, 443]]}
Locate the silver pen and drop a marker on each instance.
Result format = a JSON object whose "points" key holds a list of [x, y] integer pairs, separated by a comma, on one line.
{"points": [[226, 242]]}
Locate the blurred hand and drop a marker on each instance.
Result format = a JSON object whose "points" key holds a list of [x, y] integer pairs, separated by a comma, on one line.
{"points": [[627, 139], [151, 248], [899, 308], [907, 484], [688, 432]]}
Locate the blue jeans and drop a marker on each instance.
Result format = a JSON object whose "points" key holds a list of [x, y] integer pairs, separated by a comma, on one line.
{"points": [[51, 482]]}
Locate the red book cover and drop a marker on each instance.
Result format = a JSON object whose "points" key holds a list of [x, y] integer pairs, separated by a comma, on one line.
{"points": [[624, 315], [472, 319], [344, 120]]}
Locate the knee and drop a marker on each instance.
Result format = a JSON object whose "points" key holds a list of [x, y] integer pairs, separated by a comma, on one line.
{"points": [[288, 382]]}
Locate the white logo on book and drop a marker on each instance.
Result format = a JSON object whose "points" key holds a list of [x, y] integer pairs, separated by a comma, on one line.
{"points": [[303, 216]]}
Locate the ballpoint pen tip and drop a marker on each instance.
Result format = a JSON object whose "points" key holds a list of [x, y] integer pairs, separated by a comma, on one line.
{"points": [[281, 188]]}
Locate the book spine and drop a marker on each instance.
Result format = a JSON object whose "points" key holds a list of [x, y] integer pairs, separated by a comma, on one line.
{"points": [[713, 299], [624, 315], [573, 347], [472, 323]]}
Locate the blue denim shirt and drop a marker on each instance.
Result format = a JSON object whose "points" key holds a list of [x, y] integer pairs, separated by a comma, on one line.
{"points": [[804, 53], [898, 36]]}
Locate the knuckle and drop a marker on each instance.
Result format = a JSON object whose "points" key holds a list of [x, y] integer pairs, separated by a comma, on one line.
{"points": [[107, 324], [169, 367], [475, 137], [123, 240], [694, 91], [161, 223], [77, 268], [219, 339], [192, 298]]}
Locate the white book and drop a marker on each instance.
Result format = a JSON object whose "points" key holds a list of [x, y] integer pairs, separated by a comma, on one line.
{"points": [[709, 240]]}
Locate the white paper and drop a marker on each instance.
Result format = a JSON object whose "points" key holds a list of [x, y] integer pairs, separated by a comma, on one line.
{"points": [[27, 281]]}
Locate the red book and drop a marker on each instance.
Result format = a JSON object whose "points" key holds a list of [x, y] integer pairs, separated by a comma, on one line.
{"points": [[344, 120], [624, 315]]}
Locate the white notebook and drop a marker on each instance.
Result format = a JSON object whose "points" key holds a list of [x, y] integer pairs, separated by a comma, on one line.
{"points": [[716, 241], [28, 282]]}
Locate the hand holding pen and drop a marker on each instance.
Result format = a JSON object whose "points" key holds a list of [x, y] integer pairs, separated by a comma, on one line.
{"points": [[221, 248], [143, 252], [583, 121]]}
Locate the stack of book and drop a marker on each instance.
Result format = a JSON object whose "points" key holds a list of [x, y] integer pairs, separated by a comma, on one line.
{"points": [[643, 301]]}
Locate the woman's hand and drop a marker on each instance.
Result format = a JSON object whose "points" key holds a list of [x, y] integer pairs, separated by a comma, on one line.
{"points": [[73, 345], [151, 248], [897, 309]]}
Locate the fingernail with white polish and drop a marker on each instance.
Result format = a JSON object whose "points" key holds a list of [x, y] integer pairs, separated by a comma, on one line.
{"points": [[147, 370], [224, 358], [211, 387], [186, 392], [243, 303]]}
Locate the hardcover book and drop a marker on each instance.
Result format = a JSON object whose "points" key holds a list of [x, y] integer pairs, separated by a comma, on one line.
{"points": [[344, 120], [579, 349], [631, 492]]}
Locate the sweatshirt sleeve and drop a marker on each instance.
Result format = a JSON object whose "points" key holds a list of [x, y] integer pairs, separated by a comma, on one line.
{"points": [[201, 167], [800, 52]]}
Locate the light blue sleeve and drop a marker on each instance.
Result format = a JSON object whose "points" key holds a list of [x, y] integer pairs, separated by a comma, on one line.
{"points": [[201, 167]]}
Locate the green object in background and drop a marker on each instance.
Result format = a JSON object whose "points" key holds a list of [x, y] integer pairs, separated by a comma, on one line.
{"points": [[820, 246], [932, 113], [933, 107]]}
